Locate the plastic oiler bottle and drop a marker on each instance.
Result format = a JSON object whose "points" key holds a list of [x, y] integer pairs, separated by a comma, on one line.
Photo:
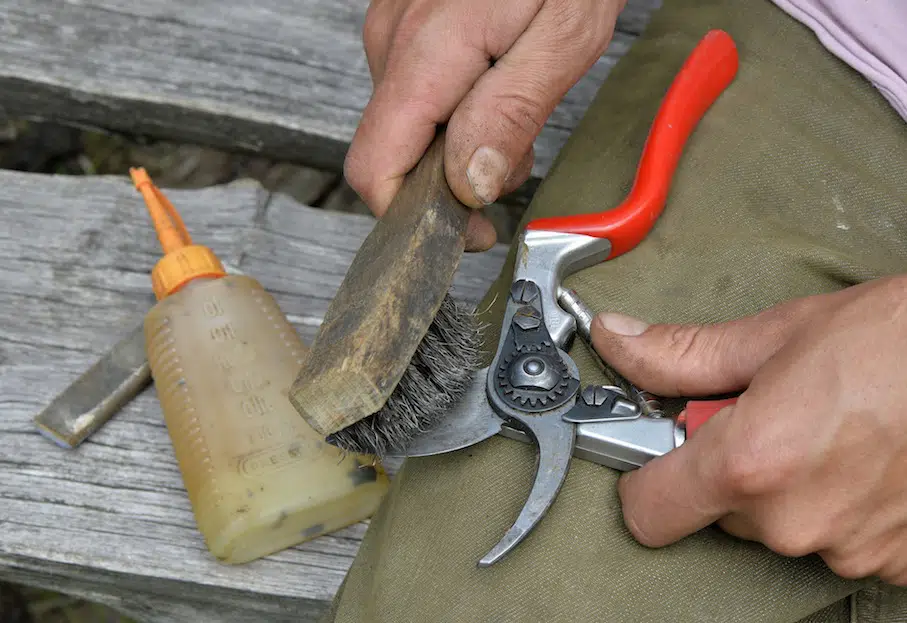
{"points": [[223, 356]]}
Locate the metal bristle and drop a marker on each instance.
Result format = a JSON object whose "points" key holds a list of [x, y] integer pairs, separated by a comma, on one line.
{"points": [[437, 376]]}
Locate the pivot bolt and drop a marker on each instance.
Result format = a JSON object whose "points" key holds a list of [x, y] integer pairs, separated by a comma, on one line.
{"points": [[533, 367], [534, 372]]}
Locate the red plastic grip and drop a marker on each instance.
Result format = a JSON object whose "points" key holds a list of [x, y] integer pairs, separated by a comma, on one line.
{"points": [[698, 412], [705, 74]]}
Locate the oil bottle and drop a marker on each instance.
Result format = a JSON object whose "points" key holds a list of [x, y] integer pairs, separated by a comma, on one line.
{"points": [[223, 357]]}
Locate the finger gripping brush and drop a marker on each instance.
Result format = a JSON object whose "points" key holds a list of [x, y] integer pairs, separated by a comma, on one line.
{"points": [[395, 350]]}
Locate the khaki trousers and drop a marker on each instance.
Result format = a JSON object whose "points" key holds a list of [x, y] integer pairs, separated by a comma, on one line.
{"points": [[794, 183]]}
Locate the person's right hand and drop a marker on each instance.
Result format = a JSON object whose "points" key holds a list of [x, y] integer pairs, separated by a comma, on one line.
{"points": [[492, 71], [812, 456]]}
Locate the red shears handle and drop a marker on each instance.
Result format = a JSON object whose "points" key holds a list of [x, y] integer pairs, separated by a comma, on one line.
{"points": [[698, 412], [705, 74]]}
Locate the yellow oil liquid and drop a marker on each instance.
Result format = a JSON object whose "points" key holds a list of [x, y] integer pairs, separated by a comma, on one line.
{"points": [[259, 479]]}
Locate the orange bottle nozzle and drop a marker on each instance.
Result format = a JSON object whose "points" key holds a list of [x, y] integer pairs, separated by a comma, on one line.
{"points": [[183, 261]]}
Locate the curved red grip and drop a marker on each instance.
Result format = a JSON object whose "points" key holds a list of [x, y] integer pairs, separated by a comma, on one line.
{"points": [[698, 412], [705, 74]]}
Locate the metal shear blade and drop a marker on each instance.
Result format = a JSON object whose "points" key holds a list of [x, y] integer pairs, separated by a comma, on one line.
{"points": [[532, 385], [469, 422], [555, 439]]}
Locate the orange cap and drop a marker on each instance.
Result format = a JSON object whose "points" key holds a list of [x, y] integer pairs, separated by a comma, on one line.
{"points": [[182, 261]]}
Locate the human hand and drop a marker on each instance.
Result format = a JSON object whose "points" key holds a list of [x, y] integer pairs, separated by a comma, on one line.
{"points": [[492, 71], [812, 458]]}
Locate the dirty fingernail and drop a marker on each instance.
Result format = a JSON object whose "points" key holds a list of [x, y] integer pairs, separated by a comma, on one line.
{"points": [[487, 171], [621, 324]]}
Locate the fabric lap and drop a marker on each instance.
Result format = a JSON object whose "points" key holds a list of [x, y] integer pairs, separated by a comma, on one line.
{"points": [[789, 186]]}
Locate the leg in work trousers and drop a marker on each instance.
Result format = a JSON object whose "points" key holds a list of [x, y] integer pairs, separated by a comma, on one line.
{"points": [[792, 184]]}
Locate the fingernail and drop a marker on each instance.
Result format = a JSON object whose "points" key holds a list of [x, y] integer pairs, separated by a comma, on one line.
{"points": [[487, 171], [622, 325]]}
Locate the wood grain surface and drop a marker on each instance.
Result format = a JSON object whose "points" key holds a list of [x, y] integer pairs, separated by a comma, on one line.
{"points": [[110, 521], [285, 79]]}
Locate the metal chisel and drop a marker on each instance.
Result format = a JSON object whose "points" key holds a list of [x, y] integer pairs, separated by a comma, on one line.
{"points": [[107, 386]]}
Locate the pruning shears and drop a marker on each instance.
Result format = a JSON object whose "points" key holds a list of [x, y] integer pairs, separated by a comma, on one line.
{"points": [[531, 391]]}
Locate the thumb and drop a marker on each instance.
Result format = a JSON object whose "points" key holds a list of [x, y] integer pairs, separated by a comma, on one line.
{"points": [[690, 359], [683, 491], [490, 135]]}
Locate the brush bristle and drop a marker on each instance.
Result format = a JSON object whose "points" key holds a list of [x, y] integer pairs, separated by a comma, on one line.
{"points": [[438, 375]]}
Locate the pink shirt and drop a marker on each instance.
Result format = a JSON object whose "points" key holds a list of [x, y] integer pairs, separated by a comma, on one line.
{"points": [[868, 35]]}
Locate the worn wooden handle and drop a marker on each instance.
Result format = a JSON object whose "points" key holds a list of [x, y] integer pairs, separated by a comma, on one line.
{"points": [[386, 303]]}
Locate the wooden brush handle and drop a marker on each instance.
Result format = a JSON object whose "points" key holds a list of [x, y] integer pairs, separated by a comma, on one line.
{"points": [[387, 301]]}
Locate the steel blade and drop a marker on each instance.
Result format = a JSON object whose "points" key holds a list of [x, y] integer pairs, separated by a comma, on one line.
{"points": [[469, 422]]}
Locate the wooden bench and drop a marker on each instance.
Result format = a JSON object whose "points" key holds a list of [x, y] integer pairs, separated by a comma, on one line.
{"points": [[110, 521]]}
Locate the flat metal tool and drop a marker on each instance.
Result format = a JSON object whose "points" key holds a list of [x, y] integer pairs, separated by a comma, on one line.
{"points": [[90, 401], [532, 390], [101, 391]]}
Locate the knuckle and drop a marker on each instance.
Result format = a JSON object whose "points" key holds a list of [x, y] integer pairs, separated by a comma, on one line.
{"points": [[378, 21], [571, 18], [697, 350], [747, 471], [411, 24], [522, 116], [697, 347], [687, 342], [793, 543], [853, 567], [753, 464], [741, 472], [579, 28]]}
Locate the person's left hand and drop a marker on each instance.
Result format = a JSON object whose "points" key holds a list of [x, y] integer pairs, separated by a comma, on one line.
{"points": [[813, 456], [490, 72]]}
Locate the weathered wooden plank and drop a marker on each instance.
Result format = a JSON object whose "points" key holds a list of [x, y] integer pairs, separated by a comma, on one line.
{"points": [[285, 79], [110, 520]]}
